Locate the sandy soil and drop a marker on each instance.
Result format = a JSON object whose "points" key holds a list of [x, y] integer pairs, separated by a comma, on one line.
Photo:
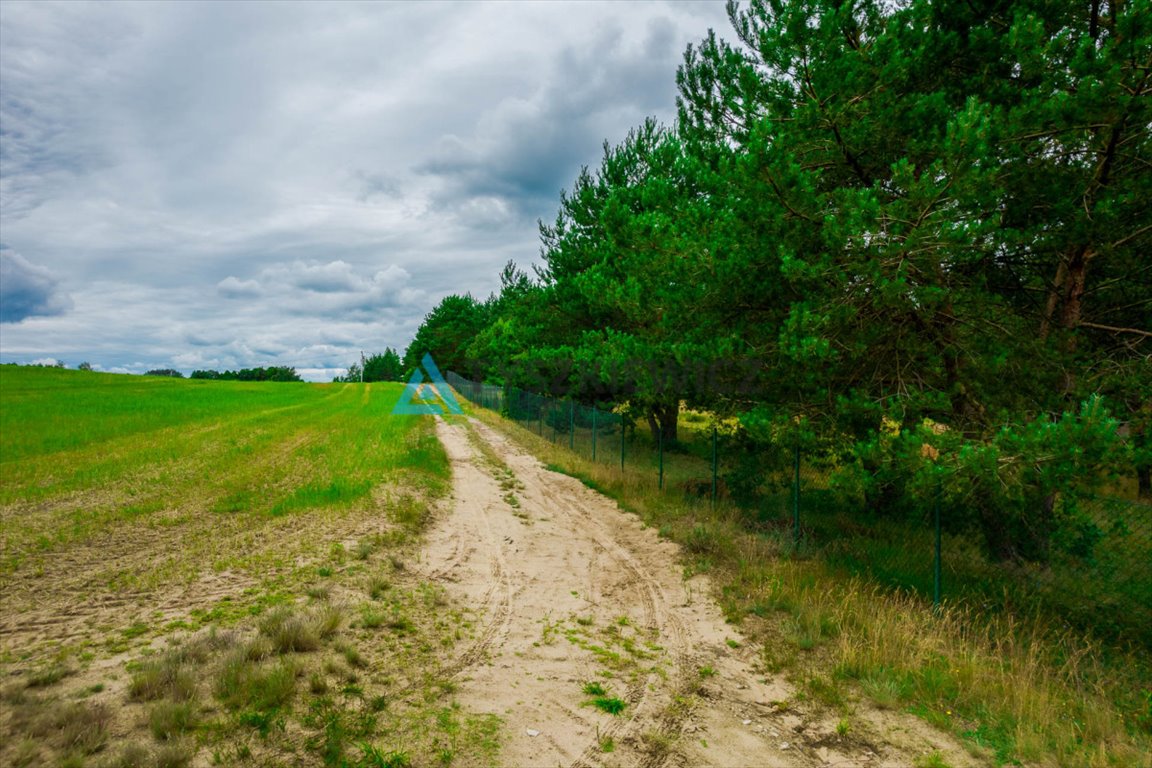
{"points": [[572, 590], [569, 590]]}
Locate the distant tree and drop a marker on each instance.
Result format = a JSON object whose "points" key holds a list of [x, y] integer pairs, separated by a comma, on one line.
{"points": [[447, 332], [85, 366], [384, 367], [170, 372], [351, 375]]}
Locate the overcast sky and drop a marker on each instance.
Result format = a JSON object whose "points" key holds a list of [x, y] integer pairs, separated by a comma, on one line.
{"points": [[223, 185]]}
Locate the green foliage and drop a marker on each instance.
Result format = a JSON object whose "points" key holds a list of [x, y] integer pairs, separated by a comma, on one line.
{"points": [[371, 757], [386, 366], [611, 705], [1020, 488], [446, 333], [868, 214]]}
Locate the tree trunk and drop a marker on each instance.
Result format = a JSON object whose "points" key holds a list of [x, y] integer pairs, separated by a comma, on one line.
{"points": [[1053, 300], [1074, 285], [1144, 482], [664, 418], [1142, 442]]}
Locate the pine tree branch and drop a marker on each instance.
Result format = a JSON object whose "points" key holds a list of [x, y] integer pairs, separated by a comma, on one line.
{"points": [[1115, 329]]}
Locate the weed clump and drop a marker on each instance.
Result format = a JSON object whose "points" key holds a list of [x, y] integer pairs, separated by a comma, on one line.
{"points": [[166, 677], [49, 675], [290, 632], [169, 719], [243, 683], [601, 700], [377, 586], [611, 705], [69, 727], [135, 755]]}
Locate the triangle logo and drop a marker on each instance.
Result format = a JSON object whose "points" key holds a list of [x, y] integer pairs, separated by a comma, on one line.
{"points": [[420, 393]]}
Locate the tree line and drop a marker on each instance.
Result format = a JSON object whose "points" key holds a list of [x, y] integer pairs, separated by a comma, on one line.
{"points": [[911, 237], [384, 366], [270, 373]]}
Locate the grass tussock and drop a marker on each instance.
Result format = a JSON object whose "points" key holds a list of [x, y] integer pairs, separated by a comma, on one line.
{"points": [[167, 677], [292, 631], [174, 674], [76, 728], [258, 685], [169, 720], [1021, 688], [177, 754], [50, 674]]}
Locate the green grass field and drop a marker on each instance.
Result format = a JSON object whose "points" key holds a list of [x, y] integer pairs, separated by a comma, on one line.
{"points": [[217, 571]]}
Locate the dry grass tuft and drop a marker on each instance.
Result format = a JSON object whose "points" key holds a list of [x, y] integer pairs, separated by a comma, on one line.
{"points": [[290, 631]]}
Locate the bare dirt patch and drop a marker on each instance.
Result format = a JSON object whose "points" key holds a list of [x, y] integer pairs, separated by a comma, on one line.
{"points": [[596, 651]]}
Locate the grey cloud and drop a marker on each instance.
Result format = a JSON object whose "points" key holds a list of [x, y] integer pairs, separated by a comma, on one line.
{"points": [[328, 289], [342, 166], [233, 288], [46, 102], [27, 290], [333, 277], [524, 151], [370, 185]]}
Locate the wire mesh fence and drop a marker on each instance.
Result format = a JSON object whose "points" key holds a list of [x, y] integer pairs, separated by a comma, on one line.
{"points": [[1103, 582]]}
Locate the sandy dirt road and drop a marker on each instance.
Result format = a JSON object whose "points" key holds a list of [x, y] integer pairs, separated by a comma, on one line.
{"points": [[571, 591]]}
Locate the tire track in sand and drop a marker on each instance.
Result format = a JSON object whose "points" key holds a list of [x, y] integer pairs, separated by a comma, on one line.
{"points": [[565, 553]]}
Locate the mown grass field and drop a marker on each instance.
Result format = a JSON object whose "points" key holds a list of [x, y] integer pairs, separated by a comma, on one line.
{"points": [[219, 573]]}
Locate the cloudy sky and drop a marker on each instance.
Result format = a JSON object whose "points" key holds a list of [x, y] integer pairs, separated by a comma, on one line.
{"points": [[222, 185]]}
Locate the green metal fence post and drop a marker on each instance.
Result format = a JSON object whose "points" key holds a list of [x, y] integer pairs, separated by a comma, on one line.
{"points": [[571, 425], [936, 582], [713, 466], [660, 440], [796, 499], [593, 432]]}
